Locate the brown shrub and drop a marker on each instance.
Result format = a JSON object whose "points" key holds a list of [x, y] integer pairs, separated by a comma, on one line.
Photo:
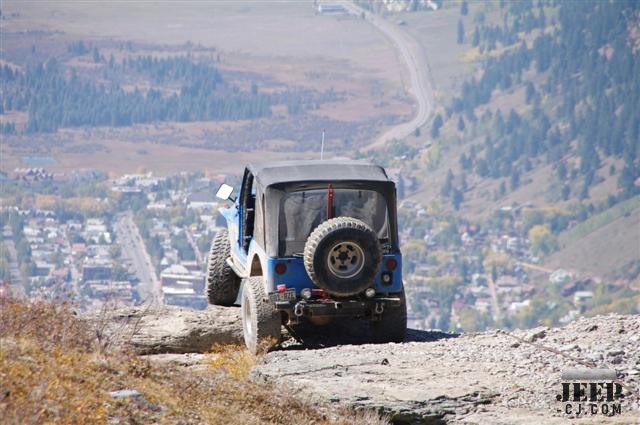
{"points": [[54, 369]]}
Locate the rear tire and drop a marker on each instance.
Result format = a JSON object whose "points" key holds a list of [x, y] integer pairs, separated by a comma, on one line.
{"points": [[392, 327], [261, 322], [222, 282]]}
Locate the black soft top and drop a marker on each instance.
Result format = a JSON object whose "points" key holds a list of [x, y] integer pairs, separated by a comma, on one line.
{"points": [[271, 173]]}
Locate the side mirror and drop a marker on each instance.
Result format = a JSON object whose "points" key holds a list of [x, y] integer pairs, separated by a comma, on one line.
{"points": [[224, 192]]}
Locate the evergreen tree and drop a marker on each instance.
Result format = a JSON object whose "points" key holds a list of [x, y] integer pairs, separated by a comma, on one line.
{"points": [[464, 8], [482, 168], [460, 37], [457, 198], [627, 179], [530, 92], [475, 40], [96, 55], [561, 171], [461, 125], [435, 127], [448, 184], [401, 187], [515, 179]]}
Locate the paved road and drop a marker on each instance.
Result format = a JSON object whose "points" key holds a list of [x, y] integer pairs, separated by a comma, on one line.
{"points": [[537, 268], [133, 249], [413, 56], [199, 257], [17, 285]]}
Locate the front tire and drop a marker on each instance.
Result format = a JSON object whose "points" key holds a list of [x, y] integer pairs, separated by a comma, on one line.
{"points": [[392, 326], [261, 322], [222, 282]]}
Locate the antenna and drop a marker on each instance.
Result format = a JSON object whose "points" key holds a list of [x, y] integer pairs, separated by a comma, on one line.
{"points": [[322, 147]]}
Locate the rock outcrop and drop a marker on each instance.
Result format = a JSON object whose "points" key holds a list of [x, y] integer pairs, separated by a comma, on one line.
{"points": [[494, 377], [167, 329], [490, 377]]}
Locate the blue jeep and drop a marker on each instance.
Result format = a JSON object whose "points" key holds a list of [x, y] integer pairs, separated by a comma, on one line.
{"points": [[310, 241]]}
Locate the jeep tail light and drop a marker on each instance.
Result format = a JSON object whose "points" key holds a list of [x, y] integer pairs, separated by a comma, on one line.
{"points": [[281, 268], [391, 264]]}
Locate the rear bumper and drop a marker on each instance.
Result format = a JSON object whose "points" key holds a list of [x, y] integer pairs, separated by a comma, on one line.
{"points": [[356, 308]]}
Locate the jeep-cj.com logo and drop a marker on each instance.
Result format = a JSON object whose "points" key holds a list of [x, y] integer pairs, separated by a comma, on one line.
{"points": [[590, 392]]}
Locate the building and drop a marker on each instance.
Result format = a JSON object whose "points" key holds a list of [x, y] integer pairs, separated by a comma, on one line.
{"points": [[94, 269], [183, 287], [331, 8], [105, 290]]}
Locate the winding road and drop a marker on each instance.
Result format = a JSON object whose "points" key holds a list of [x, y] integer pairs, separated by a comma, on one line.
{"points": [[413, 56]]}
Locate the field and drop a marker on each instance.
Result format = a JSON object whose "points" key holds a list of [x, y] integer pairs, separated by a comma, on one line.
{"points": [[436, 33], [280, 45]]}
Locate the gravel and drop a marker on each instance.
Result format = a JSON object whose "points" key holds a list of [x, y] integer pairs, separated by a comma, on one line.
{"points": [[489, 377]]}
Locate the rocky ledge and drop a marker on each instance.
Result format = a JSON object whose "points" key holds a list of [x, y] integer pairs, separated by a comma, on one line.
{"points": [[491, 377], [494, 377], [166, 329]]}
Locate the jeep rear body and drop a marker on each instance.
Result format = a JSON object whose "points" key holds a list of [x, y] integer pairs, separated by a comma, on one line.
{"points": [[279, 205]]}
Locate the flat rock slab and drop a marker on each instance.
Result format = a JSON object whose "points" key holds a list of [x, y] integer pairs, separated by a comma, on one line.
{"points": [[169, 329], [490, 377]]}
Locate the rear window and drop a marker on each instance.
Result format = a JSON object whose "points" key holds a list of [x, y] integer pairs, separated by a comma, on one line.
{"points": [[301, 212]]}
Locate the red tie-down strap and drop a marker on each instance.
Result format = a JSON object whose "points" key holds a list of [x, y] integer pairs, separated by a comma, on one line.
{"points": [[330, 202]]}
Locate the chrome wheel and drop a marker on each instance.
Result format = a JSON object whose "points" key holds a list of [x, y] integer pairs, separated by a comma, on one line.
{"points": [[247, 320], [345, 259]]}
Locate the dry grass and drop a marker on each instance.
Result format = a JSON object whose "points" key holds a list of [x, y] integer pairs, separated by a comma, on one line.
{"points": [[54, 369]]}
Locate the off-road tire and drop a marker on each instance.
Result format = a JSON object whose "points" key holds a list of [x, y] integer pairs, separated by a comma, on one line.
{"points": [[261, 322], [392, 327], [222, 282], [324, 238]]}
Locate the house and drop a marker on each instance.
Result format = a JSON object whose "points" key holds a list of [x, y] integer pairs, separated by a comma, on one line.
{"points": [[580, 298], [202, 199], [516, 306], [43, 268], [32, 174], [507, 285], [571, 288], [559, 277]]}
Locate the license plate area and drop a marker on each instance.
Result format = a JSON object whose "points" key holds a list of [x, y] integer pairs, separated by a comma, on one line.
{"points": [[288, 295]]}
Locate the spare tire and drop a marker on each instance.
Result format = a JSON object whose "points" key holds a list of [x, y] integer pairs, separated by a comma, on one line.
{"points": [[342, 256]]}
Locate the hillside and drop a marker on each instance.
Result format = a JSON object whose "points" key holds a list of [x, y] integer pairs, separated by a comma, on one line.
{"points": [[601, 243], [57, 368], [522, 124], [530, 163]]}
